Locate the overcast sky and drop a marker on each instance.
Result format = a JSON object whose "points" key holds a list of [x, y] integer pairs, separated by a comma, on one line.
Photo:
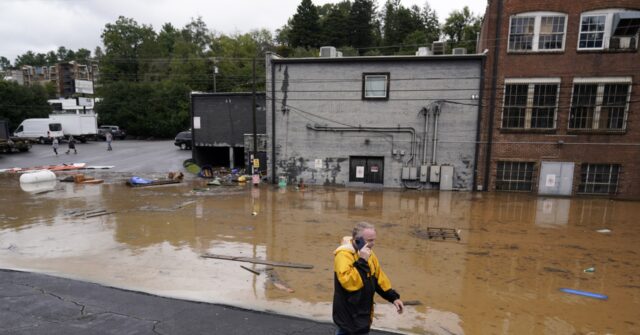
{"points": [[44, 25]]}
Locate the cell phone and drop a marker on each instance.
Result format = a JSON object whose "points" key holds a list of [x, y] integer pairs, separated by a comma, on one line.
{"points": [[360, 243]]}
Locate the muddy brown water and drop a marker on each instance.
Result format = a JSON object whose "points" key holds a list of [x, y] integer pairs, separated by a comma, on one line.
{"points": [[503, 277]]}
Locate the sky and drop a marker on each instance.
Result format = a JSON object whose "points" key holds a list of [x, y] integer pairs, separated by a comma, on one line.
{"points": [[44, 25]]}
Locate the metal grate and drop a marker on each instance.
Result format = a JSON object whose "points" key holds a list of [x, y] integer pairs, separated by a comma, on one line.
{"points": [[599, 178], [599, 106], [583, 106], [614, 103], [515, 104], [530, 106], [514, 176]]}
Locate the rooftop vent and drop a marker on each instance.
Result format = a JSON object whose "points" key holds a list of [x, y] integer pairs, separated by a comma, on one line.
{"points": [[459, 51], [438, 48], [423, 51], [329, 52]]}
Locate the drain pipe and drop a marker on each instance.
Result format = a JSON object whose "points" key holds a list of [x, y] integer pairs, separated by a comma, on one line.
{"points": [[274, 180], [409, 130], [424, 140], [436, 112]]}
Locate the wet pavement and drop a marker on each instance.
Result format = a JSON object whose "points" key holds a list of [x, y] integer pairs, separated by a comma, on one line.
{"points": [[40, 304], [503, 277]]}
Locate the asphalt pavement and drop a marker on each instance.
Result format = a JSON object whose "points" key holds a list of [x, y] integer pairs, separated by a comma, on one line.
{"points": [[35, 304], [127, 156]]}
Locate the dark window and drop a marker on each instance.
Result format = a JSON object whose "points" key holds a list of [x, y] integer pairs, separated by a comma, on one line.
{"points": [[599, 106], [515, 105], [375, 85], [514, 176], [529, 106], [599, 179], [592, 32]]}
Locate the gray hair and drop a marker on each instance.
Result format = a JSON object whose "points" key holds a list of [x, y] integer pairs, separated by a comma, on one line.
{"points": [[360, 226]]}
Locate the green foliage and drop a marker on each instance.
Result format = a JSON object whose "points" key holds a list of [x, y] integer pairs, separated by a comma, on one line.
{"points": [[362, 24], [462, 29], [21, 102], [158, 109], [305, 26]]}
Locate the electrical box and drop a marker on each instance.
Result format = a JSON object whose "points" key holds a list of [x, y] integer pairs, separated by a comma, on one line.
{"points": [[413, 173], [434, 173], [405, 173], [446, 178], [424, 173]]}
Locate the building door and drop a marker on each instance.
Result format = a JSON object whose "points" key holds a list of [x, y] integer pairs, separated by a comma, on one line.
{"points": [[556, 178], [366, 170]]}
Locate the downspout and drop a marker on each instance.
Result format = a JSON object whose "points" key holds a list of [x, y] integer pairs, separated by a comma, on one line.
{"points": [[274, 180], [436, 112], [424, 140], [494, 80], [478, 125]]}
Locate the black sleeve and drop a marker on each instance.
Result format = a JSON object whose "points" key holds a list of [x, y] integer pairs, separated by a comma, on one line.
{"points": [[390, 295]]}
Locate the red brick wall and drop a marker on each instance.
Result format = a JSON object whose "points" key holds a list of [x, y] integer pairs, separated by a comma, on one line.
{"points": [[567, 65]]}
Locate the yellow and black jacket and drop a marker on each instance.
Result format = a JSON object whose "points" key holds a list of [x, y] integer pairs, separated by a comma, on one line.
{"points": [[356, 281]]}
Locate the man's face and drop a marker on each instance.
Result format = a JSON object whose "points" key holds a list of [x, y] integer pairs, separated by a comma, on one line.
{"points": [[369, 236]]}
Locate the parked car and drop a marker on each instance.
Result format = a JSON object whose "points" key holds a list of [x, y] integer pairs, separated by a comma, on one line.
{"points": [[183, 140], [115, 131]]}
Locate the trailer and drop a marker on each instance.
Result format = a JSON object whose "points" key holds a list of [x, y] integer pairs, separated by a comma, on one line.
{"points": [[79, 123]]}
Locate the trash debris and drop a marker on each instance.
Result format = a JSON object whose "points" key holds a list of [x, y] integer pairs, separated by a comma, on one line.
{"points": [[278, 283], [589, 270], [258, 261], [175, 176], [412, 303], [141, 182], [254, 213], [89, 213], [252, 271], [585, 293], [434, 232], [604, 231]]}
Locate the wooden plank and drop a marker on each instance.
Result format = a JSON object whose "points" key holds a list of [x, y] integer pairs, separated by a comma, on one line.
{"points": [[258, 261], [252, 271]]}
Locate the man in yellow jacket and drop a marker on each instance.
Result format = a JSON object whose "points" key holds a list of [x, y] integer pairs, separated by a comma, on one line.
{"points": [[357, 276]]}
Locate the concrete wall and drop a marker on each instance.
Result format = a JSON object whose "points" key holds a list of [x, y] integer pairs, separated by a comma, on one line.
{"points": [[328, 93]]}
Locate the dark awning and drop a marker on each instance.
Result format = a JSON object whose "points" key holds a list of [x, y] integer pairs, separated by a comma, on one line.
{"points": [[626, 23]]}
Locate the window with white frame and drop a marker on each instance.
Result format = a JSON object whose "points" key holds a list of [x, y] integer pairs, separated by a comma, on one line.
{"points": [[599, 178], [375, 85], [601, 104], [514, 176], [537, 31], [530, 103], [609, 29]]}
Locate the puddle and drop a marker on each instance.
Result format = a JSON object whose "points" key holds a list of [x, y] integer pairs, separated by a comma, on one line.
{"points": [[503, 277]]}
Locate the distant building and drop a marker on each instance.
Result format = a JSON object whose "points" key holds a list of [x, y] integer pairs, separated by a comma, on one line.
{"points": [[221, 124], [61, 75], [387, 121], [561, 111]]}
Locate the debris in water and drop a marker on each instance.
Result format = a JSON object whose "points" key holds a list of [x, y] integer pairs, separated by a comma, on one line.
{"points": [[590, 270], [604, 231], [258, 261], [254, 213], [252, 271], [585, 293]]}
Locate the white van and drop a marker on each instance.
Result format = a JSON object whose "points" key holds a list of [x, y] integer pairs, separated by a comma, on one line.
{"points": [[41, 130]]}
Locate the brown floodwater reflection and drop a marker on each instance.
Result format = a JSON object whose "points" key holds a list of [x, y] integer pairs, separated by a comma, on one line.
{"points": [[503, 277]]}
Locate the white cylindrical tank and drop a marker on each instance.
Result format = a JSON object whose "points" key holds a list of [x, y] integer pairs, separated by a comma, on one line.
{"points": [[37, 177]]}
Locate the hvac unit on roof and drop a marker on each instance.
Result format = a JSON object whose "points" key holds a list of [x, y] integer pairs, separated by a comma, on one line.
{"points": [[459, 51], [329, 52], [438, 48], [423, 51]]}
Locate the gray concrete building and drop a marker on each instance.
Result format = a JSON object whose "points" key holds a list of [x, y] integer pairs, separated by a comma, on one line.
{"points": [[390, 121]]}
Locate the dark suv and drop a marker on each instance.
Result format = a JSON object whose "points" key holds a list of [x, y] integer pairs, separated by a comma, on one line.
{"points": [[183, 140], [115, 131]]}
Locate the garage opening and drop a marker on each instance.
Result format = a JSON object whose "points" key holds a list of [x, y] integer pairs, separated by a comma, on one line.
{"points": [[220, 156]]}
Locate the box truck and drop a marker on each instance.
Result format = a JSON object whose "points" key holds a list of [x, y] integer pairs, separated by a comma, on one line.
{"points": [[81, 124], [40, 130]]}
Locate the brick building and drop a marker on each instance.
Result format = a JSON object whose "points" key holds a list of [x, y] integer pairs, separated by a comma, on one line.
{"points": [[561, 113], [61, 75]]}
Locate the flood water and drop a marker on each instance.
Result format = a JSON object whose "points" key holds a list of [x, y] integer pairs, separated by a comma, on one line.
{"points": [[503, 277]]}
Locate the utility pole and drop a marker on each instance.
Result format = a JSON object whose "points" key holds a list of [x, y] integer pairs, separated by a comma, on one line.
{"points": [[215, 72], [254, 155]]}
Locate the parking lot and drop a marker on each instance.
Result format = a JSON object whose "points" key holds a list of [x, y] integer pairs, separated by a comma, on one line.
{"points": [[127, 156]]}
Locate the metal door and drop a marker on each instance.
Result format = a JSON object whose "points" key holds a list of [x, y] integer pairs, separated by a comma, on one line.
{"points": [[556, 178], [366, 169]]}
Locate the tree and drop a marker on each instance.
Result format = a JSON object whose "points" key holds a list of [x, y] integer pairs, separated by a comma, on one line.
{"points": [[399, 22], [82, 56], [362, 23], [5, 64], [305, 26], [123, 42], [462, 29], [431, 24], [334, 22], [19, 102]]}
